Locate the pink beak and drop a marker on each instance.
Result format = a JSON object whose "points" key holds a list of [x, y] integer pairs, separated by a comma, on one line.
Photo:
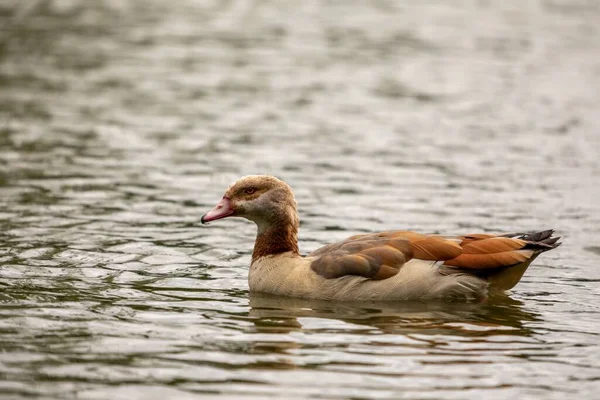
{"points": [[221, 210]]}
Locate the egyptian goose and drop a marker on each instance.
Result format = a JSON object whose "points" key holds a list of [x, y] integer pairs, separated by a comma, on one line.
{"points": [[392, 265]]}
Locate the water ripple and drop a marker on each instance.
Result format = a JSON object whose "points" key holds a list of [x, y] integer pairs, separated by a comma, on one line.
{"points": [[121, 123]]}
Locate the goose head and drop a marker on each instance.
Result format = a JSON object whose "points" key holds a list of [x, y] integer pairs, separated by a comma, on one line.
{"points": [[263, 199]]}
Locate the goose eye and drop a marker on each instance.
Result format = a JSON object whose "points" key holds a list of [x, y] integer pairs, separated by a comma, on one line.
{"points": [[249, 190]]}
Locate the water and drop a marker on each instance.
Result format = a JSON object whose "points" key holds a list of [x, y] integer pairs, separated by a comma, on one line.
{"points": [[121, 123]]}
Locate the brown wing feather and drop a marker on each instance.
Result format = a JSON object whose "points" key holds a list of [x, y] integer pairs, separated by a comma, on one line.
{"points": [[380, 255], [466, 239], [493, 245], [435, 248], [500, 259], [482, 251], [366, 255], [425, 247], [491, 260]]}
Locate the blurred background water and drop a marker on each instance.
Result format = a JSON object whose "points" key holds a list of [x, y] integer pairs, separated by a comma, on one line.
{"points": [[122, 122]]}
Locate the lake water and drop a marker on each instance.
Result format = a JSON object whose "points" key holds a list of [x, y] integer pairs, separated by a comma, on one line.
{"points": [[121, 123]]}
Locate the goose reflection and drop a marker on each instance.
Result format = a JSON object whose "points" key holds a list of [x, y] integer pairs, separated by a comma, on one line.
{"points": [[499, 315]]}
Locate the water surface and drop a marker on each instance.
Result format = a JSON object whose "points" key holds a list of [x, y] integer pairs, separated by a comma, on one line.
{"points": [[121, 123]]}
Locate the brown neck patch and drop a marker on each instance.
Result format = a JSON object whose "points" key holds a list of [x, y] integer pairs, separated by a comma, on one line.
{"points": [[281, 237]]}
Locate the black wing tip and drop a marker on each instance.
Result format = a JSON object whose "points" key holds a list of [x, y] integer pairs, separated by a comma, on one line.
{"points": [[538, 236], [551, 241], [542, 241]]}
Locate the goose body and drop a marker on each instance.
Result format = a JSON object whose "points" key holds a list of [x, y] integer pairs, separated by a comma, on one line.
{"points": [[417, 279], [392, 265]]}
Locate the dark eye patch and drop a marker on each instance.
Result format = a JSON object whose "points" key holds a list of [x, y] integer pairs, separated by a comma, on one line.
{"points": [[250, 190]]}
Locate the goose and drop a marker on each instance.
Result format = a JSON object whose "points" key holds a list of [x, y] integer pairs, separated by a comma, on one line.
{"points": [[381, 266]]}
